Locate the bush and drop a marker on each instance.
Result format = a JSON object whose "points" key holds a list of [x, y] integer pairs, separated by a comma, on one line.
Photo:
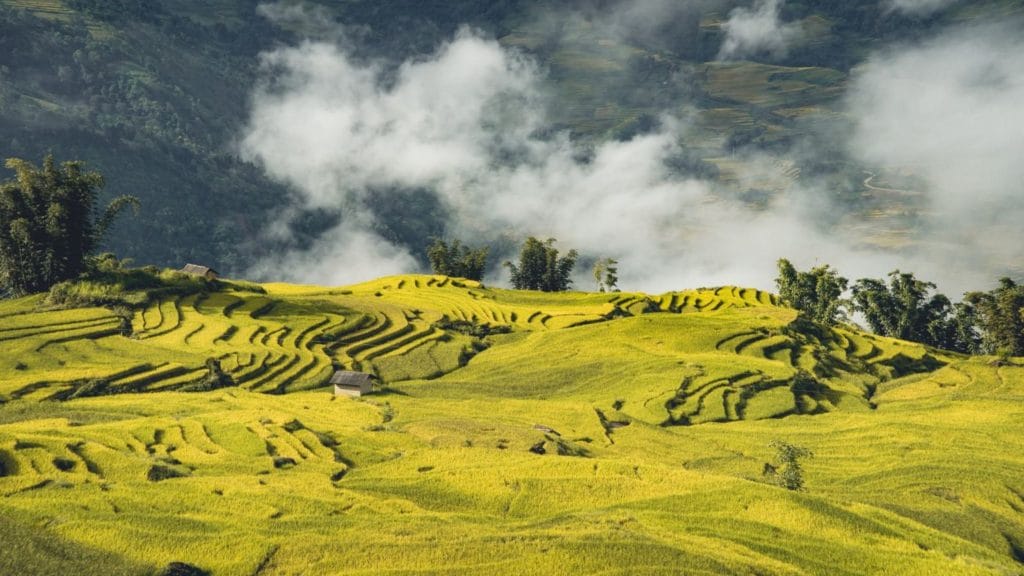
{"points": [[182, 569], [110, 283], [89, 388], [160, 472], [471, 328], [87, 293], [215, 379], [785, 471], [243, 286]]}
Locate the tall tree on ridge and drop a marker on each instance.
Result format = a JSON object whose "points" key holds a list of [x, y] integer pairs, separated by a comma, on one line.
{"points": [[904, 309], [541, 268], [1000, 316], [49, 224], [817, 294], [606, 274], [454, 259]]}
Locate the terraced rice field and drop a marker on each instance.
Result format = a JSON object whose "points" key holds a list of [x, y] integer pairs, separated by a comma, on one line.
{"points": [[52, 9], [400, 328], [769, 86], [59, 11], [587, 433]]}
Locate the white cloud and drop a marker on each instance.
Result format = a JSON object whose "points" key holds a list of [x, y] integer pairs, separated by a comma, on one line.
{"points": [[343, 255], [328, 125], [333, 129], [919, 7], [757, 30], [309, 20], [950, 111], [463, 123]]}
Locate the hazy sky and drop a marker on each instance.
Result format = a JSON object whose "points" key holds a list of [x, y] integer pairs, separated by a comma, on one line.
{"points": [[464, 123]]}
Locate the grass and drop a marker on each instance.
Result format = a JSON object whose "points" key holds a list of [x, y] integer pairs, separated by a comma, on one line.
{"points": [[653, 414]]}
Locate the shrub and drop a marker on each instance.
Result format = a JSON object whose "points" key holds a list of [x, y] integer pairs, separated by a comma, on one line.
{"points": [[182, 569], [88, 388], [110, 283], [242, 286], [159, 472], [88, 293], [785, 470], [471, 328], [215, 379]]}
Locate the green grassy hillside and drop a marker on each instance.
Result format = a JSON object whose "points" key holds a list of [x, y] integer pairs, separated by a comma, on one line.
{"points": [[513, 433]]}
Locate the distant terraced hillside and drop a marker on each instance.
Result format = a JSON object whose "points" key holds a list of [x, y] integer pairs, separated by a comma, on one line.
{"points": [[739, 357], [153, 95], [514, 433]]}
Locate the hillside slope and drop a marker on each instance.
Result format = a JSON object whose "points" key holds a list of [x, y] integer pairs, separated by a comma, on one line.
{"points": [[514, 433]]}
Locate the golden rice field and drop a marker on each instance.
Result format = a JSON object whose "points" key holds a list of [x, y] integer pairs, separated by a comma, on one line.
{"points": [[512, 433]]}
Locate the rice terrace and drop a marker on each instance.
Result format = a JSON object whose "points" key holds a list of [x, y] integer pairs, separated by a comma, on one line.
{"points": [[511, 287], [579, 433]]}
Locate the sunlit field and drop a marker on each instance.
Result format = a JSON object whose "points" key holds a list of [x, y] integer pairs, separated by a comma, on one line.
{"points": [[510, 433]]}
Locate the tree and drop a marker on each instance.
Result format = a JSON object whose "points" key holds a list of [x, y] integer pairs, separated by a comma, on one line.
{"points": [[961, 334], [1000, 316], [540, 267], [816, 294], [457, 260], [786, 470], [606, 274], [49, 223], [904, 310]]}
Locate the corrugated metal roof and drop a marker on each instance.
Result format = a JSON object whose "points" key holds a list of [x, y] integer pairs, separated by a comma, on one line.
{"points": [[197, 269], [348, 378]]}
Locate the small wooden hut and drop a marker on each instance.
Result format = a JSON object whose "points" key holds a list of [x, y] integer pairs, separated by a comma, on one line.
{"points": [[353, 384], [204, 271]]}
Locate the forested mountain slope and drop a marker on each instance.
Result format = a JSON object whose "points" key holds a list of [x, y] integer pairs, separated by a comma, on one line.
{"points": [[154, 95]]}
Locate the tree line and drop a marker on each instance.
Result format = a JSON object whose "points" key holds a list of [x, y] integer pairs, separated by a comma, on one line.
{"points": [[51, 227], [540, 265], [907, 308]]}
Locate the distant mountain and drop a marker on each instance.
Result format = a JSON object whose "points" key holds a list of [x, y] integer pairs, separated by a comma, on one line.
{"points": [[154, 95]]}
